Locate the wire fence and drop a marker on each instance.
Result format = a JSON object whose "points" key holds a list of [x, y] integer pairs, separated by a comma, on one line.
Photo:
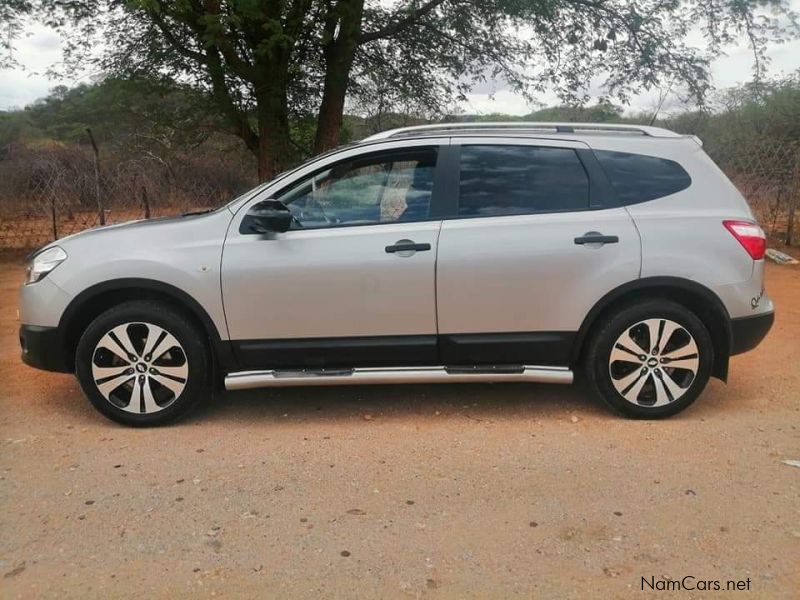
{"points": [[48, 193], [767, 173]]}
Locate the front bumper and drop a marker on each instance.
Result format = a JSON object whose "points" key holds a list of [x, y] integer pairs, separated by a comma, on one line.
{"points": [[747, 332], [43, 348]]}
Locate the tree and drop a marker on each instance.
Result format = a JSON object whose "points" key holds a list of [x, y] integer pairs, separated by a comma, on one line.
{"points": [[601, 112], [267, 63], [136, 114]]}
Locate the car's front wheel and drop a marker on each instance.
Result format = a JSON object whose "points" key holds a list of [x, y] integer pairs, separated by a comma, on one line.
{"points": [[142, 363], [650, 360]]}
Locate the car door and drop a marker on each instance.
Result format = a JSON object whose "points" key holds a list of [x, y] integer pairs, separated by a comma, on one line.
{"points": [[535, 242], [352, 283]]}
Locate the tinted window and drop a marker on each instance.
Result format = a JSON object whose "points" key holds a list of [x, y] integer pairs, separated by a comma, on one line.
{"points": [[374, 189], [503, 180], [638, 178]]}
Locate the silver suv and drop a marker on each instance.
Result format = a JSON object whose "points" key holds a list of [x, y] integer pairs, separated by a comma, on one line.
{"points": [[468, 252]]}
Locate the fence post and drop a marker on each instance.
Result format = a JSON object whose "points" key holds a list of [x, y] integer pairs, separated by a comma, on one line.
{"points": [[146, 202], [53, 215], [100, 211], [794, 192], [776, 211]]}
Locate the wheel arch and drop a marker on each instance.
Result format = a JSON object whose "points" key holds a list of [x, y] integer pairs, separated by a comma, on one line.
{"points": [[694, 296], [93, 301]]}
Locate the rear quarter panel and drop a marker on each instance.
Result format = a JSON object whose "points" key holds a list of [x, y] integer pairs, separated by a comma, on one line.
{"points": [[682, 234]]}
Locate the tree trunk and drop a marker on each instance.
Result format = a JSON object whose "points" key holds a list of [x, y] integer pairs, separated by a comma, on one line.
{"points": [[339, 54], [275, 152], [331, 110]]}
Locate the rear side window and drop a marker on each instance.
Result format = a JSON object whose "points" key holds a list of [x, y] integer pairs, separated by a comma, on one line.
{"points": [[639, 178], [507, 180]]}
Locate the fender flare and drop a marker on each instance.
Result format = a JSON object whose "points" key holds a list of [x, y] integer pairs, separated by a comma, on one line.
{"points": [[220, 348], [650, 283]]}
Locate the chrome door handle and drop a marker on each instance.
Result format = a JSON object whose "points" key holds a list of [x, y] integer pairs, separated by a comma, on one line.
{"points": [[407, 246], [594, 237]]}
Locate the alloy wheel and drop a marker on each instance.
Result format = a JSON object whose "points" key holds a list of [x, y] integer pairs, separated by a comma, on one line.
{"points": [[653, 362], [139, 367]]}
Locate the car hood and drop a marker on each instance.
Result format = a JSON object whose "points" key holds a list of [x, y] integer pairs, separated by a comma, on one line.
{"points": [[142, 227]]}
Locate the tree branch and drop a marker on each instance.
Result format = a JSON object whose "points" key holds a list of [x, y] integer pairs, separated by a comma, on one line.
{"points": [[236, 116], [398, 25], [294, 16], [238, 119], [174, 41], [192, 18]]}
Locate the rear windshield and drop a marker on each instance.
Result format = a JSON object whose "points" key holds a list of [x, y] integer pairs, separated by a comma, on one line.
{"points": [[639, 178]]}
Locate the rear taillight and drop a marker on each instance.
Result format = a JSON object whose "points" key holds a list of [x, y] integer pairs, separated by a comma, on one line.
{"points": [[750, 236]]}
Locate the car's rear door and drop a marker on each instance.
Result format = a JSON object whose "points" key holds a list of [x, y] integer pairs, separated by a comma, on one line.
{"points": [[534, 243]]}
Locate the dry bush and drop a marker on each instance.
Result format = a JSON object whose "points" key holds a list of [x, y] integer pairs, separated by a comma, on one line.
{"points": [[767, 173], [50, 192]]}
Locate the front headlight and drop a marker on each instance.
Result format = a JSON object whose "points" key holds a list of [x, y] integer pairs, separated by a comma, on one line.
{"points": [[44, 262]]}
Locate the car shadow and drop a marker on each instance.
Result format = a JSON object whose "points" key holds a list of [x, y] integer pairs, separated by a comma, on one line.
{"points": [[475, 401], [482, 402]]}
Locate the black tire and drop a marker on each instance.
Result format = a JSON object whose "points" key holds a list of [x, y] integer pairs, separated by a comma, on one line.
{"points": [[191, 355], [628, 319]]}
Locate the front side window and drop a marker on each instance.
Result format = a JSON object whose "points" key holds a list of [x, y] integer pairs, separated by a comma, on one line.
{"points": [[381, 188], [639, 178], [507, 180]]}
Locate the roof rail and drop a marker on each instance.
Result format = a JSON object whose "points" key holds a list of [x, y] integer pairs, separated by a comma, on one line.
{"points": [[445, 128]]}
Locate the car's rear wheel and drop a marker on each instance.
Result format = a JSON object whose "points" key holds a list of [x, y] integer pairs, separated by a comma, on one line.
{"points": [[142, 363], [650, 360]]}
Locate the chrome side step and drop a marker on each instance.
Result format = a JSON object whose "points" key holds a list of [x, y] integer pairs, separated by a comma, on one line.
{"points": [[283, 378]]}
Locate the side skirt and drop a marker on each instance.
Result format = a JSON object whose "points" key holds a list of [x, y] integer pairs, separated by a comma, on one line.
{"points": [[552, 348]]}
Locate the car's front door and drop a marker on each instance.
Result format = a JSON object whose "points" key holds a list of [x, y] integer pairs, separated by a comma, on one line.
{"points": [[353, 281], [536, 242]]}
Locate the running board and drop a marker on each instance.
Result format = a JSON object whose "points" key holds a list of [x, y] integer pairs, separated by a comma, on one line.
{"points": [[283, 378]]}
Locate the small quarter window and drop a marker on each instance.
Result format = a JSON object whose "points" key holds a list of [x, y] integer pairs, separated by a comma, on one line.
{"points": [[639, 178]]}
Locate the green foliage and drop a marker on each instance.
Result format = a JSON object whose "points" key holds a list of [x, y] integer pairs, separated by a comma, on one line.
{"points": [[768, 109], [488, 118], [602, 112], [135, 114], [144, 114], [15, 127]]}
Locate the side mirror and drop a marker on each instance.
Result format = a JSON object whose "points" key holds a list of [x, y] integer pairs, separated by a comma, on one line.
{"points": [[270, 215]]}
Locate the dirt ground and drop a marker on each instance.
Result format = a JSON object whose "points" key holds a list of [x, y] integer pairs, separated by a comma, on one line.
{"points": [[409, 491]]}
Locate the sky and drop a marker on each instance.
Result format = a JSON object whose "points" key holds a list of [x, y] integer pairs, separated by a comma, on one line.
{"points": [[39, 48], [727, 71]]}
